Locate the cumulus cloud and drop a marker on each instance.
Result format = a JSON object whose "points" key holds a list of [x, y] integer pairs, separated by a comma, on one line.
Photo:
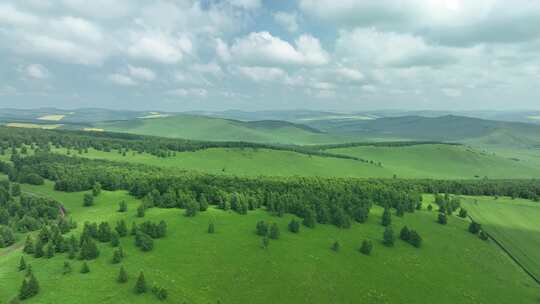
{"points": [[287, 21], [262, 74], [37, 71], [261, 48], [141, 73], [159, 47], [246, 4], [122, 80], [370, 46], [193, 92]]}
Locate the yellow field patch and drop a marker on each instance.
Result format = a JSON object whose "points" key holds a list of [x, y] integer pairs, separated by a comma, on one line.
{"points": [[53, 117], [33, 126], [93, 129]]}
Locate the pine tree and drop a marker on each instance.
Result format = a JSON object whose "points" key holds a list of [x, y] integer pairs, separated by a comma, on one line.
{"points": [[191, 208], [415, 239], [88, 200], [429, 207], [121, 228], [49, 250], [483, 235], [211, 228], [162, 294], [462, 213], [366, 247], [203, 203], [67, 268], [404, 234], [104, 232], [122, 206], [294, 226], [122, 275], [162, 229], [474, 227], [85, 268], [309, 218], [22, 264], [388, 236], [386, 218], [33, 285], [29, 245], [117, 257], [335, 246], [140, 211], [262, 228], [96, 189], [442, 219], [115, 240], [140, 286], [265, 242], [274, 231]]}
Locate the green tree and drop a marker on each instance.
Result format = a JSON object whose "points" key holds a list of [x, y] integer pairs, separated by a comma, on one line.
{"points": [[85, 268], [404, 234], [67, 268], [262, 228], [38, 250], [442, 218], [211, 228], [121, 228], [294, 226], [49, 250], [386, 217], [29, 245], [88, 200], [415, 239], [122, 206], [122, 275], [140, 286], [22, 264], [462, 213], [265, 242], [474, 227], [483, 235], [104, 232], [366, 247], [115, 239], [140, 211], [117, 257], [309, 218], [388, 236], [335, 246], [191, 208], [274, 231], [429, 207], [96, 189]]}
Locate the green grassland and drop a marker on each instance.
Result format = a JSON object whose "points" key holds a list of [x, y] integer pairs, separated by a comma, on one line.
{"points": [[514, 223], [422, 161], [443, 161], [218, 129], [231, 267]]}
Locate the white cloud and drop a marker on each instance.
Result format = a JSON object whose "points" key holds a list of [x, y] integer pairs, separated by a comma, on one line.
{"points": [[262, 74], [451, 92], [261, 48], [141, 73], [210, 68], [373, 47], [246, 4], [12, 16], [37, 71], [222, 50], [287, 21], [194, 92], [103, 9], [122, 80], [159, 47]]}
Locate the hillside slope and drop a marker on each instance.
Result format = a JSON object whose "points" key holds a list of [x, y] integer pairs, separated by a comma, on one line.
{"points": [[218, 129]]}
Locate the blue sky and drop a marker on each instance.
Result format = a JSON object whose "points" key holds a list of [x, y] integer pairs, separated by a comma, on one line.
{"points": [[345, 55]]}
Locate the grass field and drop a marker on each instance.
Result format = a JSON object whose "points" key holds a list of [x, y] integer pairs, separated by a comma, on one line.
{"points": [[444, 161], [52, 117], [514, 223], [218, 129], [33, 126], [425, 161], [230, 267]]}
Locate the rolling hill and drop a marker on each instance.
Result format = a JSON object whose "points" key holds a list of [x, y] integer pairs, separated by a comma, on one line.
{"points": [[218, 129]]}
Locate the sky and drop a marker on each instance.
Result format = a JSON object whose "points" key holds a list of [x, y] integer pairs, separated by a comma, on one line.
{"points": [[340, 55]]}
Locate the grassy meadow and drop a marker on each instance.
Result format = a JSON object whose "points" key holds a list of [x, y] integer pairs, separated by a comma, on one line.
{"points": [[231, 267], [514, 223]]}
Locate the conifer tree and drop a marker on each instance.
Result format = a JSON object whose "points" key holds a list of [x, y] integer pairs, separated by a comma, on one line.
{"points": [[96, 189], [386, 217], [162, 229], [366, 247], [38, 250], [294, 226], [121, 228], [22, 264], [388, 236], [104, 232], [415, 239], [404, 234], [474, 227], [140, 286], [442, 218], [274, 231], [211, 228], [117, 257], [122, 206], [122, 275], [85, 268], [265, 242], [28, 245], [88, 200], [67, 268], [462, 213], [140, 211], [309, 218], [262, 228], [335, 246], [115, 239]]}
